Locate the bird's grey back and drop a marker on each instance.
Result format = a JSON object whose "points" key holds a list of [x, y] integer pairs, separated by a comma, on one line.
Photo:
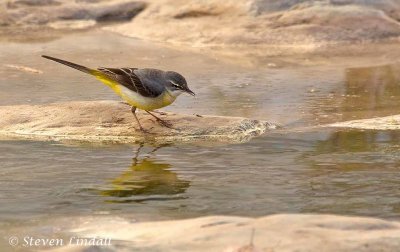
{"points": [[147, 82], [153, 79]]}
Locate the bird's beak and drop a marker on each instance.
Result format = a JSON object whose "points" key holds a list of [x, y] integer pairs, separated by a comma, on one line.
{"points": [[190, 92]]}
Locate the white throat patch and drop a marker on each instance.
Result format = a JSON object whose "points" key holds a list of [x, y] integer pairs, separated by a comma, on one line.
{"points": [[175, 93]]}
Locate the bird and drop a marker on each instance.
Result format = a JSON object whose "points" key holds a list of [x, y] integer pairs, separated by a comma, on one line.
{"points": [[142, 88]]}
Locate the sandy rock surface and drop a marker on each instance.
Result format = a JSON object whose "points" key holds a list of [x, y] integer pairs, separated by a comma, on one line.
{"points": [[275, 233], [304, 24], [112, 121]]}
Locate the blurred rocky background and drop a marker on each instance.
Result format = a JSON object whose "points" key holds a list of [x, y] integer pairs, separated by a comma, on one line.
{"points": [[294, 25], [266, 22]]}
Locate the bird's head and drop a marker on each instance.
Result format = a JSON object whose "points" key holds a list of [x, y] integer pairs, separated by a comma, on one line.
{"points": [[176, 84]]}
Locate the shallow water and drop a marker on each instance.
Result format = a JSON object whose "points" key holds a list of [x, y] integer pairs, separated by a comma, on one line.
{"points": [[321, 171]]}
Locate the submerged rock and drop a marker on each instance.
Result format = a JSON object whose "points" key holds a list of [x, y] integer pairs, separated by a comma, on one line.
{"points": [[282, 232], [378, 123], [112, 121], [304, 24]]}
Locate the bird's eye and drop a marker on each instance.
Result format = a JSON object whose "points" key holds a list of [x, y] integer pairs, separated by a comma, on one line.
{"points": [[175, 85]]}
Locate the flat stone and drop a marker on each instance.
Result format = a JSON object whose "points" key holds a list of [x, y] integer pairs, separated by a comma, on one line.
{"points": [[275, 233], [112, 121]]}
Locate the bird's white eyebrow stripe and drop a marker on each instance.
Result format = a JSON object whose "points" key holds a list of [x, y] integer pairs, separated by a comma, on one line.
{"points": [[173, 83]]}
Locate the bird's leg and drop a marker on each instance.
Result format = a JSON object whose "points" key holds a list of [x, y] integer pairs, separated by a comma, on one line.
{"points": [[133, 109], [157, 148], [125, 103], [161, 121], [137, 152]]}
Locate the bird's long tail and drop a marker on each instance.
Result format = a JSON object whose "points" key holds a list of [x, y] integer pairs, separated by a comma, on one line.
{"points": [[73, 65], [96, 73]]}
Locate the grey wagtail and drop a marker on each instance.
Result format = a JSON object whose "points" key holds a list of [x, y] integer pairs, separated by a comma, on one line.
{"points": [[147, 89]]}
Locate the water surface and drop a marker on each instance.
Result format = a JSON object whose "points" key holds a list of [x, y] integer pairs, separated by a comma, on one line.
{"points": [[349, 172]]}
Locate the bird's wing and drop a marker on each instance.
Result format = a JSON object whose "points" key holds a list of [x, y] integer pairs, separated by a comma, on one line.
{"points": [[127, 78]]}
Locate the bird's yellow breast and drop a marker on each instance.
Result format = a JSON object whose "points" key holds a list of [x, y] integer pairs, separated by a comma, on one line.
{"points": [[137, 100]]}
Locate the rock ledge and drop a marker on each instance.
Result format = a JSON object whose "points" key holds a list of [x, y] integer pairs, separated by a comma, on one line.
{"points": [[112, 121], [275, 233]]}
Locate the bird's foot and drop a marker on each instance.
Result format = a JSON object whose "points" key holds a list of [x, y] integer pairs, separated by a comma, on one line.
{"points": [[141, 129], [145, 131]]}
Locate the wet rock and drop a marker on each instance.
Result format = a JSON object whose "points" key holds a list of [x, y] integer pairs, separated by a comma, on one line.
{"points": [[282, 232], [256, 23], [19, 3], [23, 12], [111, 121], [379, 123]]}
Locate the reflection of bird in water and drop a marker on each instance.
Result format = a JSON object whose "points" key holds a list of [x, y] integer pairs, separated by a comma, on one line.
{"points": [[146, 177]]}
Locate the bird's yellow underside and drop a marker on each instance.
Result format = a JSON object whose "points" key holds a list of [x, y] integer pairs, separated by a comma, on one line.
{"points": [[134, 99]]}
